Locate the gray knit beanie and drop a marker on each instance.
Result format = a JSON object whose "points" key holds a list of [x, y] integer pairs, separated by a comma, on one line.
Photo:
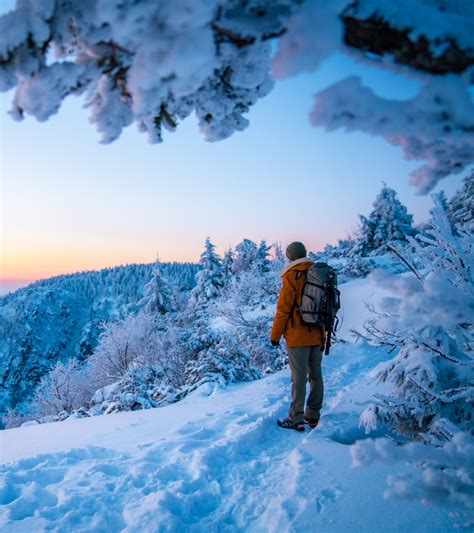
{"points": [[295, 250]]}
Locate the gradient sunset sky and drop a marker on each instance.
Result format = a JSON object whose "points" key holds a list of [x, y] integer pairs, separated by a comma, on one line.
{"points": [[69, 203]]}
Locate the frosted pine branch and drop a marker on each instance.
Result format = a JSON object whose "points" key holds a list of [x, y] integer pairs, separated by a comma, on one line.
{"points": [[154, 63]]}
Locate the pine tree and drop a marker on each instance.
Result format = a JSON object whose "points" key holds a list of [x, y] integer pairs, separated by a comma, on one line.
{"points": [[229, 68], [157, 296], [210, 279], [461, 206], [246, 253], [227, 263], [428, 322], [388, 222], [263, 254]]}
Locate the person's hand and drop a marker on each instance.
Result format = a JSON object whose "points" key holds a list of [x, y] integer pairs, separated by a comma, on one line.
{"points": [[275, 343]]}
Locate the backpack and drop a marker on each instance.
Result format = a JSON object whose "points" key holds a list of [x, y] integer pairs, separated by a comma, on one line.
{"points": [[320, 299]]}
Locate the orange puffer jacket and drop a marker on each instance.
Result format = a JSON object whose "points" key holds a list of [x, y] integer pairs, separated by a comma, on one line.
{"points": [[287, 321]]}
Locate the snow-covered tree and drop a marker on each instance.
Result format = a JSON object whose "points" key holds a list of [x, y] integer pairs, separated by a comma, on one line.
{"points": [[157, 296], [227, 362], [59, 318], [133, 391], [343, 247], [278, 254], [154, 63], [175, 347], [227, 263], [64, 389], [428, 323], [461, 206], [263, 257], [246, 255], [388, 223], [210, 278], [123, 344]]}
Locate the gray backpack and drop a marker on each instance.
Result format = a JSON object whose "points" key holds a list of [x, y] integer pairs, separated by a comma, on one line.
{"points": [[320, 300]]}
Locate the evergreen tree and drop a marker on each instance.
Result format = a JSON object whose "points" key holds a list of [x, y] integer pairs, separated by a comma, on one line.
{"points": [[461, 206], [246, 254], [142, 71], [225, 362], [227, 263], [263, 254], [157, 296], [428, 322], [210, 279], [388, 222]]}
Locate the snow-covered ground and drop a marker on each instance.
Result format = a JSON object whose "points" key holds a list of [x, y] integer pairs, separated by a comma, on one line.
{"points": [[215, 461]]}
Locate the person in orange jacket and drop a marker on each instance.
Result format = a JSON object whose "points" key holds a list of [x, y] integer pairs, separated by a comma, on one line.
{"points": [[305, 343]]}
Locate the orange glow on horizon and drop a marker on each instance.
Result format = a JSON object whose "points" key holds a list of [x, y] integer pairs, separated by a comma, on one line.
{"points": [[45, 262], [29, 259]]}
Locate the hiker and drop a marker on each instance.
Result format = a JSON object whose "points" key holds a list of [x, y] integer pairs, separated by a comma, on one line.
{"points": [[305, 343]]}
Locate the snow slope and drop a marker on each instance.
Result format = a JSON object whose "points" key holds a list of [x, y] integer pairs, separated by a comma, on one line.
{"points": [[356, 298], [214, 462]]}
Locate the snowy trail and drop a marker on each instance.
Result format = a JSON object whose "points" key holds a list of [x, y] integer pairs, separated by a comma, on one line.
{"points": [[215, 461]]}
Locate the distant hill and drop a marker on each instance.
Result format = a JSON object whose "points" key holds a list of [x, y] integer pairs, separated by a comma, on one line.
{"points": [[60, 317], [11, 285]]}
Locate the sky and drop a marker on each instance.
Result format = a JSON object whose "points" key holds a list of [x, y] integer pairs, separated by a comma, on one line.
{"points": [[69, 203]]}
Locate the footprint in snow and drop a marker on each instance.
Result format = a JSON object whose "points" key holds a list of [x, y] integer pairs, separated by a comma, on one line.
{"points": [[325, 497]]}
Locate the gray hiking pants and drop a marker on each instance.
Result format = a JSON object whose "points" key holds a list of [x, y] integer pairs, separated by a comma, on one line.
{"points": [[305, 362]]}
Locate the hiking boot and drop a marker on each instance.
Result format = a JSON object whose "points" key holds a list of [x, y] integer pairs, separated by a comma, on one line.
{"points": [[312, 422], [287, 423]]}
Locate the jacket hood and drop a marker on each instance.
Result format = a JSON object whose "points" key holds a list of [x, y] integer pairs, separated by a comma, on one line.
{"points": [[302, 265]]}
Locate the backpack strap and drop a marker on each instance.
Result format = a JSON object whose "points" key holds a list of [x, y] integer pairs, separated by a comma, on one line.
{"points": [[299, 273]]}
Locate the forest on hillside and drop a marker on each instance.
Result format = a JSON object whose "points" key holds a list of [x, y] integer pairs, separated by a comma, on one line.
{"points": [[151, 334]]}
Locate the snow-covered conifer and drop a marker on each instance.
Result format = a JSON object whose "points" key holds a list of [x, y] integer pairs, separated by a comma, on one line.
{"points": [[428, 323], [227, 263], [246, 254], [155, 63], [388, 223], [263, 257], [461, 206], [157, 296], [132, 392], [227, 362], [210, 278]]}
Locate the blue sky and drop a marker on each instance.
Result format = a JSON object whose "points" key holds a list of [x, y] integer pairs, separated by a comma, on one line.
{"points": [[70, 203]]}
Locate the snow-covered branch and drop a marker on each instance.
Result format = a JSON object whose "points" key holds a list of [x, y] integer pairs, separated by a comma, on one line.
{"points": [[437, 125], [154, 63], [430, 326]]}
